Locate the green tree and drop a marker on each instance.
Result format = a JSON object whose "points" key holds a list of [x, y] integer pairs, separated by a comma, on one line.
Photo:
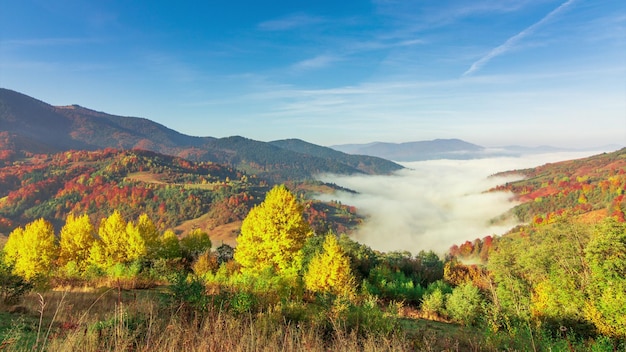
{"points": [[434, 303], [534, 284], [272, 235], [169, 247], [195, 243], [464, 304], [32, 250], [606, 255], [329, 271]]}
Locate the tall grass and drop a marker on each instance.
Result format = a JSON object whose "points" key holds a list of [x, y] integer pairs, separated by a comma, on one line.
{"points": [[140, 321]]}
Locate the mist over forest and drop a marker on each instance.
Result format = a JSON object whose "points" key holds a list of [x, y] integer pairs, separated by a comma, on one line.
{"points": [[433, 204]]}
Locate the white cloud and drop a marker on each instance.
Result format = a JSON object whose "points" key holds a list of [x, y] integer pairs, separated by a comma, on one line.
{"points": [[319, 61], [434, 204], [289, 22]]}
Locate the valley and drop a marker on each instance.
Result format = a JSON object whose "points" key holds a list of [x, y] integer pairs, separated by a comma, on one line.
{"points": [[272, 236]]}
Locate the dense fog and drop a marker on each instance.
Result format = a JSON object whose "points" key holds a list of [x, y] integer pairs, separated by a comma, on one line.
{"points": [[434, 204]]}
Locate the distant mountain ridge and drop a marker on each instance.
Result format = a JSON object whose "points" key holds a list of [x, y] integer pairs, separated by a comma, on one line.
{"points": [[455, 149], [32, 126], [415, 151]]}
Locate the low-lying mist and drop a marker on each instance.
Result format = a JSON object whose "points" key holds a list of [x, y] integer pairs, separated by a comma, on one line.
{"points": [[434, 204]]}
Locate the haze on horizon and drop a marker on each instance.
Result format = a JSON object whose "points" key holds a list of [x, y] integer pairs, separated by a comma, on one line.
{"points": [[435, 204], [491, 72]]}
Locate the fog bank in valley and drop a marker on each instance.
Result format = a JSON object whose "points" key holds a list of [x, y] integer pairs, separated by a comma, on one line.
{"points": [[434, 204]]}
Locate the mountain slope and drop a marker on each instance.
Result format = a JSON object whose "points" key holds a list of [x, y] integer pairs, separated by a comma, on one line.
{"points": [[593, 186], [31, 126], [365, 163], [415, 151]]}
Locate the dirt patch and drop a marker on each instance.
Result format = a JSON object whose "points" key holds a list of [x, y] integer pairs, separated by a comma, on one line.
{"points": [[226, 233], [146, 177]]}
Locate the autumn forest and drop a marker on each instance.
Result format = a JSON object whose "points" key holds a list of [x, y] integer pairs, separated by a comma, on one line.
{"points": [[132, 249]]}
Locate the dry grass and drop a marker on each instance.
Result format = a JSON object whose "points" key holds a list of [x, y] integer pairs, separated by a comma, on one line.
{"points": [[112, 320]]}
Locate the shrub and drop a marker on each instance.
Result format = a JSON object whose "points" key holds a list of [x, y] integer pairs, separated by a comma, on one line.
{"points": [[393, 285], [464, 304], [12, 287], [187, 290], [434, 303]]}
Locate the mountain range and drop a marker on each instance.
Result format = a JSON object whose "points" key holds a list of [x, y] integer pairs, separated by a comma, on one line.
{"points": [[28, 125], [416, 151], [455, 149]]}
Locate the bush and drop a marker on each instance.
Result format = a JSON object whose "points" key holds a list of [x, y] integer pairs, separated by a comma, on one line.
{"points": [[243, 302], [369, 318], [393, 285], [12, 287], [434, 303], [189, 291], [464, 304]]}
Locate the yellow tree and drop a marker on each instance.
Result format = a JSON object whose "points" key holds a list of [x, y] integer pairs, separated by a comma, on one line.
{"points": [[112, 246], [329, 271], [272, 235], [77, 237], [143, 238], [32, 250]]}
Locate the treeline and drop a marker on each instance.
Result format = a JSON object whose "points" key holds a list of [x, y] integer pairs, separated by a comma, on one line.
{"points": [[82, 252]]}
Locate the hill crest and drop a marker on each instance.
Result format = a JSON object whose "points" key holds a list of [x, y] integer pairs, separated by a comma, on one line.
{"points": [[28, 125]]}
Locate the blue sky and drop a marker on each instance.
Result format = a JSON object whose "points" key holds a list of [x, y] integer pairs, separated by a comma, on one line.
{"points": [[491, 72]]}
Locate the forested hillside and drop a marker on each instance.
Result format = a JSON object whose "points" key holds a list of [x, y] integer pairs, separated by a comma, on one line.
{"points": [[563, 271], [555, 284], [169, 189], [593, 187]]}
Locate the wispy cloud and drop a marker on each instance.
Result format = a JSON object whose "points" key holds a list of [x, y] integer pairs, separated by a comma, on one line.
{"points": [[33, 42], [316, 62], [289, 22], [514, 40]]}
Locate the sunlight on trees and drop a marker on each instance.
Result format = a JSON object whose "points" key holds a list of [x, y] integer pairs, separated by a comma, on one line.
{"points": [[32, 250], [465, 304], [76, 239], [113, 245], [142, 238], [272, 235], [329, 271], [606, 255], [169, 245]]}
